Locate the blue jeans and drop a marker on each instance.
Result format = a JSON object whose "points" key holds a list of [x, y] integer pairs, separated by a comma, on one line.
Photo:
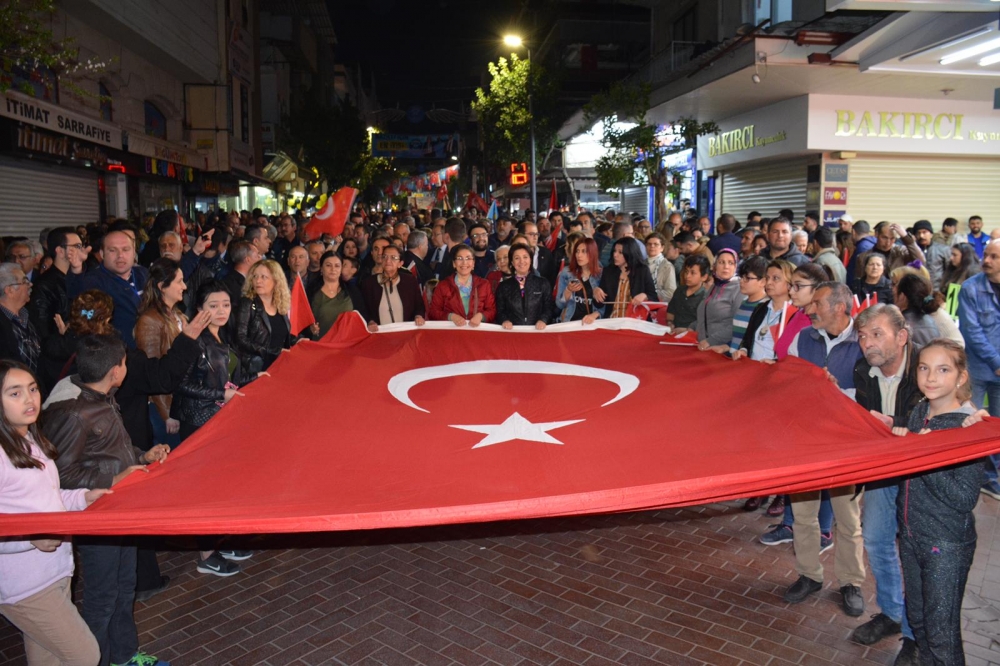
{"points": [[878, 528], [981, 390], [160, 435], [825, 513], [108, 570]]}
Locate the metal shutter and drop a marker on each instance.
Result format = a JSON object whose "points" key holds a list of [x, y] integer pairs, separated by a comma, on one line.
{"points": [[765, 188], [637, 200], [34, 196], [906, 189]]}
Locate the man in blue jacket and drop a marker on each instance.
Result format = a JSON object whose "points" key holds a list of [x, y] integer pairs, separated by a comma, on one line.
{"points": [[119, 277], [979, 322]]}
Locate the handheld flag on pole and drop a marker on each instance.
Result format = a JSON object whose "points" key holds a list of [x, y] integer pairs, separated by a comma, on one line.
{"points": [[492, 213], [300, 315]]}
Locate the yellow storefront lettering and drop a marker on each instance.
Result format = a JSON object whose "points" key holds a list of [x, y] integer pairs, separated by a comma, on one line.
{"points": [[958, 127], [845, 121], [942, 117], [886, 128], [866, 126], [920, 121]]}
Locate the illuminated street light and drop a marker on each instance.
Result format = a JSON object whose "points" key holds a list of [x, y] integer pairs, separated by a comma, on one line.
{"points": [[515, 42]]}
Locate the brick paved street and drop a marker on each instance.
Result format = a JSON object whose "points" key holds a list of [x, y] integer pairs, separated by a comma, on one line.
{"points": [[678, 587]]}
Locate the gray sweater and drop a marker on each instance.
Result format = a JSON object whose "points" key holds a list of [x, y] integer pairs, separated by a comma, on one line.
{"points": [[714, 321]]}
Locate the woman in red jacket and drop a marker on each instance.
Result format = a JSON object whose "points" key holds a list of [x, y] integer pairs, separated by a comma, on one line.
{"points": [[463, 298]]}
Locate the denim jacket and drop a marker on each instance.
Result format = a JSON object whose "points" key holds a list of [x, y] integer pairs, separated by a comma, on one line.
{"points": [[979, 322], [567, 308]]}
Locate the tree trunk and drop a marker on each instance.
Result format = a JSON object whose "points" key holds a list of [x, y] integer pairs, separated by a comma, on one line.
{"points": [[660, 190], [572, 188]]}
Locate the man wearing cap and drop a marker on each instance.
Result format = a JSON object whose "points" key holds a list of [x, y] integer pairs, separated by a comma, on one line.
{"points": [[845, 223], [936, 255]]}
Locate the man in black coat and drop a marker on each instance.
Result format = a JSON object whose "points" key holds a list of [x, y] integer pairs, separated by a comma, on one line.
{"points": [[542, 260]]}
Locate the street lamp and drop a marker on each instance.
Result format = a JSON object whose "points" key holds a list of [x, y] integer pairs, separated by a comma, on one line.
{"points": [[515, 42]]}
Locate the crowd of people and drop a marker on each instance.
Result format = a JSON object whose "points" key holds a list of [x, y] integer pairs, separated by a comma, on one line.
{"points": [[131, 338]]}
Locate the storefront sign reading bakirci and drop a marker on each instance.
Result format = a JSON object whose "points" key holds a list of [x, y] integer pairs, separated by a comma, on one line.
{"points": [[740, 139], [900, 125]]}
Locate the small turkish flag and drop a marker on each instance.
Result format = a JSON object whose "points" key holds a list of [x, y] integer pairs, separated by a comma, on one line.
{"points": [[331, 218], [300, 315], [553, 199]]}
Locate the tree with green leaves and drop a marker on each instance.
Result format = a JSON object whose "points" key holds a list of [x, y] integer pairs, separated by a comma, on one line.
{"points": [[503, 112], [331, 139], [29, 50], [636, 148]]}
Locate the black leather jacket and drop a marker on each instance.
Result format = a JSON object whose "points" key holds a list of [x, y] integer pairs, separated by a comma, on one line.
{"points": [[48, 299], [536, 306], [253, 336], [91, 439], [204, 385]]}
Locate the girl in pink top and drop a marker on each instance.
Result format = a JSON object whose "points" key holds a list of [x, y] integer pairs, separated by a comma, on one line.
{"points": [[35, 574]]}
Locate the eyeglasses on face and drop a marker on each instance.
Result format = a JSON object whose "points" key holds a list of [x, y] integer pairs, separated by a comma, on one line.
{"points": [[798, 286], [747, 278]]}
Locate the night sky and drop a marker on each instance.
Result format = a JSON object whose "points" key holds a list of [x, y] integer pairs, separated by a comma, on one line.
{"points": [[422, 52]]}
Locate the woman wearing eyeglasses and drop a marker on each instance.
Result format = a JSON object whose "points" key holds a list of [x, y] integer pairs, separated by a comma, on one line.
{"points": [[463, 298], [393, 296]]}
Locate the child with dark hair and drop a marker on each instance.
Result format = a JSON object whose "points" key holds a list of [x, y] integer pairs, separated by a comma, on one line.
{"points": [[937, 530], [682, 312], [35, 574], [96, 451]]}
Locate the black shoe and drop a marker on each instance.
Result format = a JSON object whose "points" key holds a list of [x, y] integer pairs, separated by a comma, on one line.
{"points": [[853, 603], [217, 565], [146, 595], [909, 655], [875, 629], [802, 588], [235, 555]]}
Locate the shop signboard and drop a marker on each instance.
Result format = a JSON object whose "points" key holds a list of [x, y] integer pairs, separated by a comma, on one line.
{"points": [[832, 217], [34, 140], [162, 150], [834, 196], [776, 130], [902, 125], [415, 146], [18, 106], [836, 173]]}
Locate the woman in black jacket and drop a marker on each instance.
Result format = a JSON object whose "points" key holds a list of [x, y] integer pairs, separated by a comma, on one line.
{"points": [[262, 326], [627, 281], [873, 280], [524, 299], [214, 378], [392, 296]]}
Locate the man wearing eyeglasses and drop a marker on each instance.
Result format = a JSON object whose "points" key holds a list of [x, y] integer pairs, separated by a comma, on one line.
{"points": [[18, 339], [20, 253], [479, 238], [48, 294]]}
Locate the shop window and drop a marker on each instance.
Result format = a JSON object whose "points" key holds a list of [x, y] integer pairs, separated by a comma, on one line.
{"points": [[156, 122], [107, 111]]}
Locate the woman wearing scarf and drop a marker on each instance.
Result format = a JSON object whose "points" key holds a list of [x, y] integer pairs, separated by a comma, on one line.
{"points": [[525, 299], [714, 321], [463, 298], [627, 280], [393, 296]]}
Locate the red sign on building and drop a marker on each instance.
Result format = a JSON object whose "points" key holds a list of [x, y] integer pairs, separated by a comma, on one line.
{"points": [[518, 174]]}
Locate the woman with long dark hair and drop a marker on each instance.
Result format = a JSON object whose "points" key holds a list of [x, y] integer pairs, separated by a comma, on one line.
{"points": [[332, 298], [913, 296], [627, 280], [159, 323], [963, 264], [36, 573], [213, 380], [575, 291], [524, 299]]}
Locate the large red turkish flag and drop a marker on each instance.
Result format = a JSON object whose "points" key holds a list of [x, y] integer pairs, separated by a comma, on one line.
{"points": [[439, 424]]}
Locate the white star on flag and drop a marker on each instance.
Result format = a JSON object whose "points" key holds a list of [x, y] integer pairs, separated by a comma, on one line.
{"points": [[516, 427]]}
